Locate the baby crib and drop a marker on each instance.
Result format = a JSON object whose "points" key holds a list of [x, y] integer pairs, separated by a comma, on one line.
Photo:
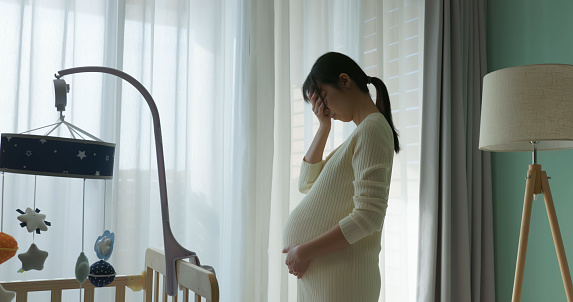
{"points": [[162, 268], [194, 282]]}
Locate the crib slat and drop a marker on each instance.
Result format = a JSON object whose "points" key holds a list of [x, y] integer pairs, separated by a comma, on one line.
{"points": [[120, 294], [89, 294], [185, 295], [156, 287], [21, 296], [164, 289], [197, 298], [56, 295], [148, 285]]}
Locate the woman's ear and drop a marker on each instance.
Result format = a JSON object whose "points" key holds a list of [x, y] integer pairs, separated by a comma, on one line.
{"points": [[344, 80]]}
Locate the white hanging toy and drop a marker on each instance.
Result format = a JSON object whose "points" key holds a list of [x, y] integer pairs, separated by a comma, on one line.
{"points": [[33, 220]]}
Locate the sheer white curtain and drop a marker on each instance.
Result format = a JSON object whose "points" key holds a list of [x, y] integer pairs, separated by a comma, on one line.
{"points": [[40, 38], [386, 39], [223, 98], [208, 65]]}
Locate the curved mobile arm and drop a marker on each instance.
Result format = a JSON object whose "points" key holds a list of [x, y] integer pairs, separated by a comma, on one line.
{"points": [[173, 250]]}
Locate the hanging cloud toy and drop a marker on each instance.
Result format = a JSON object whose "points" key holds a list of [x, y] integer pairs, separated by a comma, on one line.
{"points": [[104, 245], [33, 220]]}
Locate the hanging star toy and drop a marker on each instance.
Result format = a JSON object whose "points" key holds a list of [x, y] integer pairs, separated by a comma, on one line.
{"points": [[33, 220], [34, 258], [6, 295]]}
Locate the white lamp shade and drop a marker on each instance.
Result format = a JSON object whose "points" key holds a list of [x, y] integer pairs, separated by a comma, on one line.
{"points": [[527, 103]]}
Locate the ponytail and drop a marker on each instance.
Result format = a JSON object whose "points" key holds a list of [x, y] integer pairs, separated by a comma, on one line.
{"points": [[383, 104]]}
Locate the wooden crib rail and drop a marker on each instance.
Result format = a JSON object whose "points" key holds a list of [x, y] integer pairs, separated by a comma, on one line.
{"points": [[201, 282], [56, 286], [192, 280]]}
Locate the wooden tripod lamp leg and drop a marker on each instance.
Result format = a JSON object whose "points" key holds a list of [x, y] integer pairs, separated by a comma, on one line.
{"points": [[524, 234], [557, 240]]}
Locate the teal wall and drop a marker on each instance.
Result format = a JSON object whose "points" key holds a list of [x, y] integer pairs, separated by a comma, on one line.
{"points": [[522, 32]]}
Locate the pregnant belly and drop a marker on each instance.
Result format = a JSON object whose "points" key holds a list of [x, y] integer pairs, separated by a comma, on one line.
{"points": [[310, 219]]}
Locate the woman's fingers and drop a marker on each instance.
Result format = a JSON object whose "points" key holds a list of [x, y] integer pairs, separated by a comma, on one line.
{"points": [[315, 101], [315, 98], [322, 109], [312, 97], [318, 104]]}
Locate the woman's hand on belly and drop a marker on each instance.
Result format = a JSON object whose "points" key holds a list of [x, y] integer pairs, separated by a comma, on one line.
{"points": [[299, 256], [296, 264]]}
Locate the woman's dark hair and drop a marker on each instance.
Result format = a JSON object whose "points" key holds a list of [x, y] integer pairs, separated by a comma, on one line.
{"points": [[327, 69]]}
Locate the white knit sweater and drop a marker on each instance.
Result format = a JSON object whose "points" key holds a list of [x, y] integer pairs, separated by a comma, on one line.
{"points": [[349, 187]]}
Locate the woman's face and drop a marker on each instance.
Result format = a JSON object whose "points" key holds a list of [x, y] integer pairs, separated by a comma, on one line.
{"points": [[337, 101]]}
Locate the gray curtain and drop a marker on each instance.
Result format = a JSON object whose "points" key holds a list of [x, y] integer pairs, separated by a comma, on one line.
{"points": [[456, 227]]}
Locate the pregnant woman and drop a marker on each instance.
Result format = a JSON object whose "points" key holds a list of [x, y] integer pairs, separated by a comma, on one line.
{"points": [[332, 238]]}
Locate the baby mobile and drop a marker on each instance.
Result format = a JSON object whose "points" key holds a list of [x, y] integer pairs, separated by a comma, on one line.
{"points": [[75, 157]]}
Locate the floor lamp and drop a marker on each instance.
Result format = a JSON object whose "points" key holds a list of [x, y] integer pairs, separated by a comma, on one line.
{"points": [[530, 108]]}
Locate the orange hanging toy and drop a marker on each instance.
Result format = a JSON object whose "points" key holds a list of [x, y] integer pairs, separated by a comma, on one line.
{"points": [[8, 247]]}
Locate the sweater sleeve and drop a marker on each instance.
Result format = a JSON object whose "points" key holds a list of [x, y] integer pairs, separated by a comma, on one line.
{"points": [[308, 175], [372, 164]]}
